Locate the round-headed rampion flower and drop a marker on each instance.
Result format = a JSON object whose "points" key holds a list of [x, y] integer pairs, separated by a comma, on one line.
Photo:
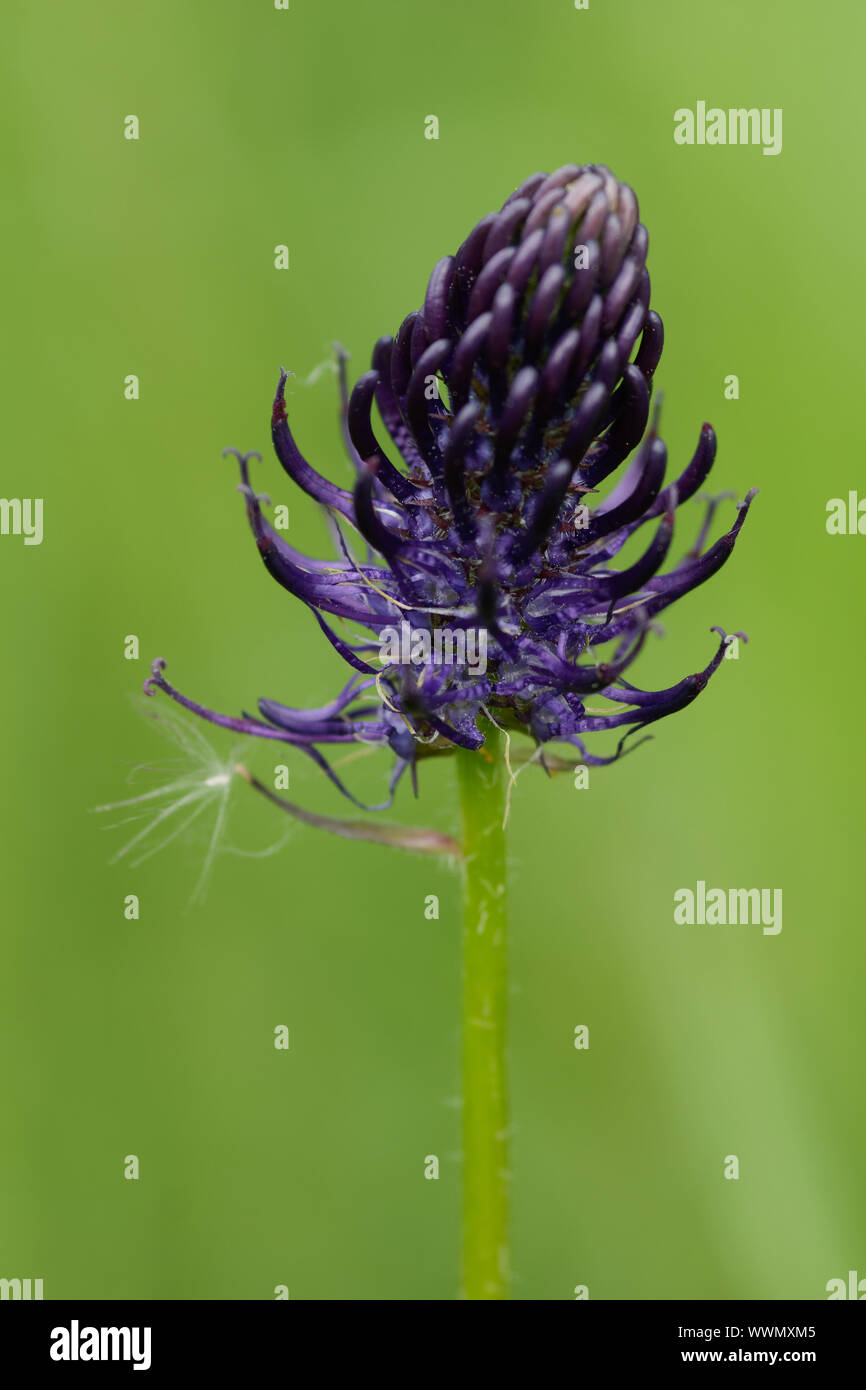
{"points": [[486, 585]]}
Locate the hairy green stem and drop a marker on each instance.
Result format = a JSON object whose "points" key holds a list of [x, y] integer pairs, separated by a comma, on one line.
{"points": [[482, 781]]}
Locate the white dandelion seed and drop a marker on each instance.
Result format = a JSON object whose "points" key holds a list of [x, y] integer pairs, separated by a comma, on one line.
{"points": [[169, 810]]}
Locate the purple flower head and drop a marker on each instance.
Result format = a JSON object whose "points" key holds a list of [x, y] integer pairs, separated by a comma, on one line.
{"points": [[485, 579]]}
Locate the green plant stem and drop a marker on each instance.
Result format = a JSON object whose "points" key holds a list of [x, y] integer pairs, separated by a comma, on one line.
{"points": [[482, 780]]}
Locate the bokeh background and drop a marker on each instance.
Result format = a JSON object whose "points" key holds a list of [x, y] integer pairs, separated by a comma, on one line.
{"points": [[155, 1037]]}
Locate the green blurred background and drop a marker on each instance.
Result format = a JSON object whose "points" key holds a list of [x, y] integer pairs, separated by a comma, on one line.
{"points": [[155, 1037]]}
